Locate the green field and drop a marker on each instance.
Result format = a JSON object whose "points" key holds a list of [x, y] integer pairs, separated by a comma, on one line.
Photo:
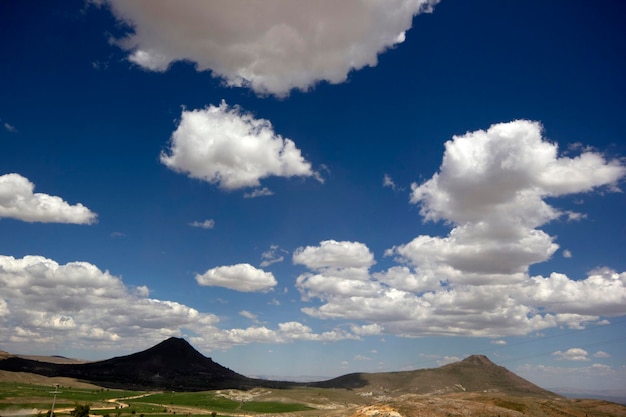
{"points": [[29, 399]]}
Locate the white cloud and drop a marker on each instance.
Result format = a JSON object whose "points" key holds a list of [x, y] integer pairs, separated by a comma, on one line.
{"points": [[603, 293], [601, 354], [334, 255], [225, 146], [73, 304], [567, 253], [447, 359], [389, 183], [46, 306], [240, 277], [367, 329], [272, 256], [9, 128], [206, 224], [572, 354], [18, 201], [249, 315], [258, 192], [273, 46], [498, 342], [602, 377], [491, 187], [474, 282]]}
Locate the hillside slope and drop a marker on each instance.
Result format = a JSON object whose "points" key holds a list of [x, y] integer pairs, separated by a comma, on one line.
{"points": [[473, 374]]}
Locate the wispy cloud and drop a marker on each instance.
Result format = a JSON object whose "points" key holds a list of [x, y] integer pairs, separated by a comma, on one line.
{"points": [[388, 182], [258, 192], [274, 255], [9, 128], [205, 224]]}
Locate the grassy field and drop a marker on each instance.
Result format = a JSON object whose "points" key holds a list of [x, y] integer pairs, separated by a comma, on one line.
{"points": [[30, 399]]}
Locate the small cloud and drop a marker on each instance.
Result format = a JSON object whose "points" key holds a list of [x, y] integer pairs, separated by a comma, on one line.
{"points": [[117, 235], [389, 183], [601, 354], [362, 358], [10, 128], [100, 65], [207, 224], [447, 359], [259, 192], [249, 315], [572, 354], [498, 342], [567, 253], [574, 216], [274, 302], [240, 277], [272, 256], [142, 291], [367, 329]]}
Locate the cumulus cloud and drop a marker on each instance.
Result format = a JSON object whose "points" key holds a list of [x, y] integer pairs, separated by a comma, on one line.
{"points": [[491, 190], [603, 292], [206, 224], [273, 46], [240, 277], [492, 187], [48, 306], [572, 354], [225, 146], [75, 303], [331, 254], [19, 201]]}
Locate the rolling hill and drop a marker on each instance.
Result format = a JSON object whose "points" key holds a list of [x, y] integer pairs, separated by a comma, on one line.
{"points": [[175, 364]]}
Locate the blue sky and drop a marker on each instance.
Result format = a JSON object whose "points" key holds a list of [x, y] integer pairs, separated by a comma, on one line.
{"points": [[307, 190]]}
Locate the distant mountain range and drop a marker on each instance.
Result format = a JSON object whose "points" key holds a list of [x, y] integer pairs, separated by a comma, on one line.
{"points": [[175, 365]]}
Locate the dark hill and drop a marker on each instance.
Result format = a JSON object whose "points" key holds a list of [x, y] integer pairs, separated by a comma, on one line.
{"points": [[172, 364], [473, 374]]}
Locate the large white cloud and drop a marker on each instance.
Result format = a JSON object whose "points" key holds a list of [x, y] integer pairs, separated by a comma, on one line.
{"points": [[75, 304], [18, 201], [239, 277], [226, 146], [271, 46], [48, 307], [490, 189]]}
